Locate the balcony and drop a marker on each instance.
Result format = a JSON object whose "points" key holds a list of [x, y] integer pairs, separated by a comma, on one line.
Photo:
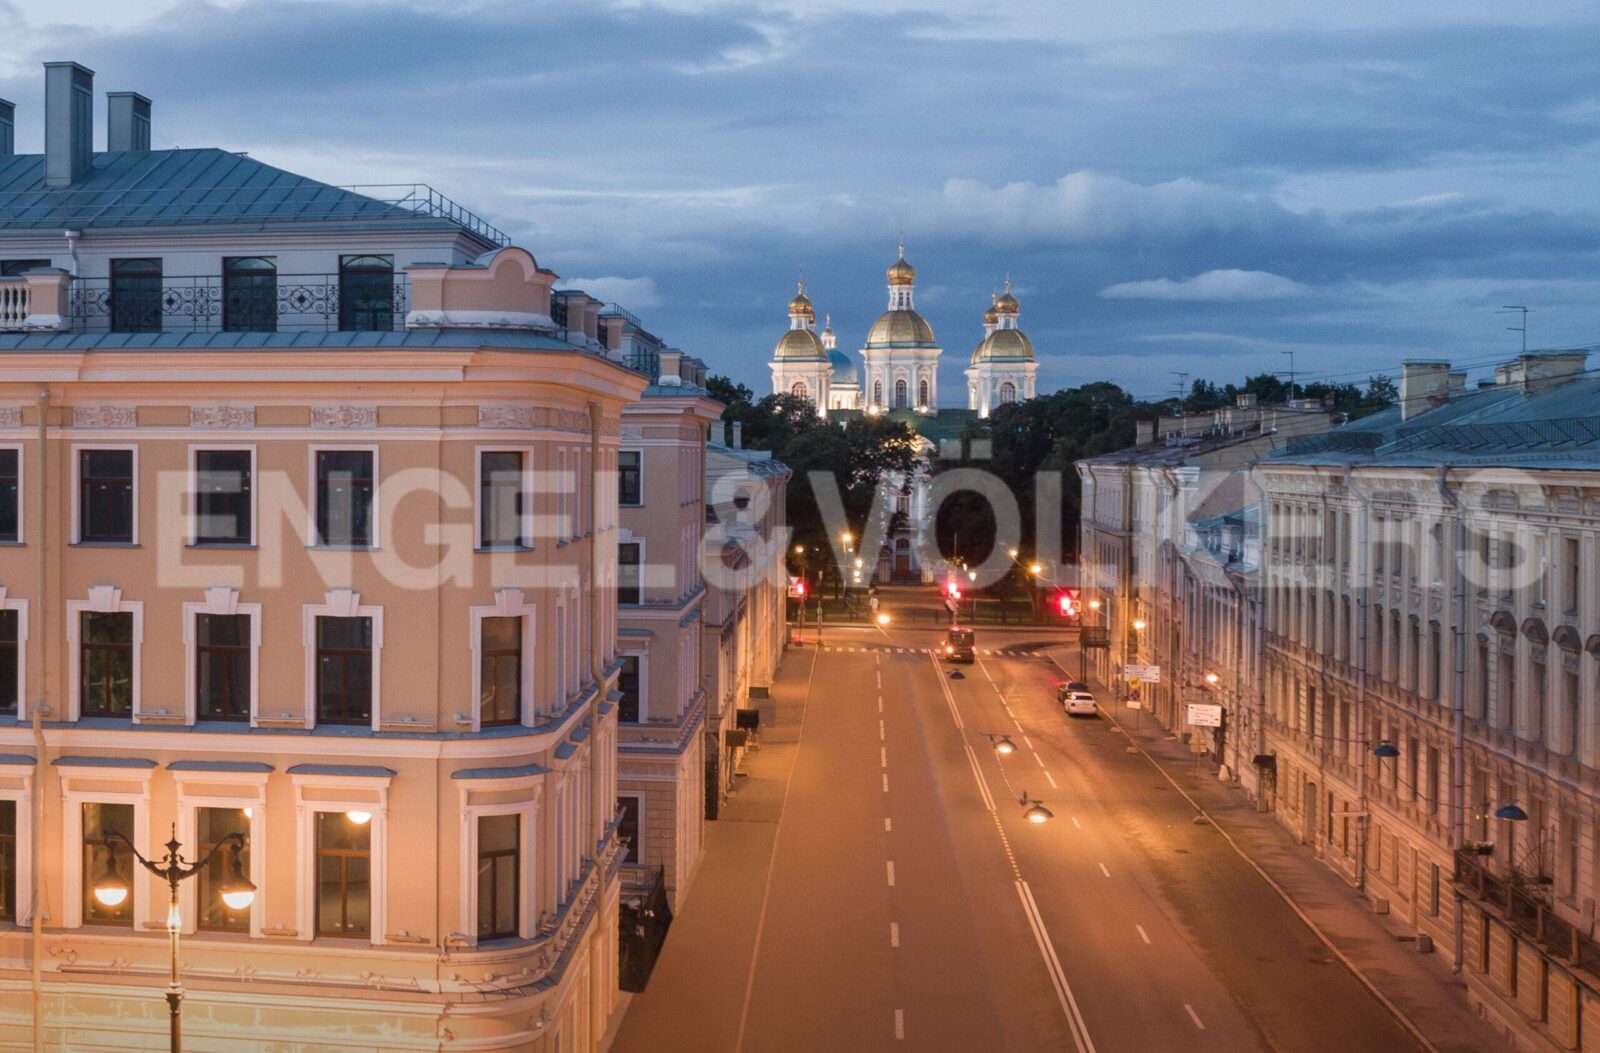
{"points": [[1524, 905]]}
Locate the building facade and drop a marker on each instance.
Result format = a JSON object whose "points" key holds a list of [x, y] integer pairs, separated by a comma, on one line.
{"points": [[306, 539]]}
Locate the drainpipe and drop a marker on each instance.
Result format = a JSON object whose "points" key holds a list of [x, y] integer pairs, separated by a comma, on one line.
{"points": [[1459, 775], [596, 776], [72, 237], [1261, 634], [1359, 563], [36, 827]]}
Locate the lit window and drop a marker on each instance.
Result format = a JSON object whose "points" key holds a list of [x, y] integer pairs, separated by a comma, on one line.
{"points": [[212, 825], [499, 876], [500, 678], [99, 822], [106, 678], [344, 875]]}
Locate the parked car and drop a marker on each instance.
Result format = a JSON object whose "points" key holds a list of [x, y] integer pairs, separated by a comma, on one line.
{"points": [[958, 646], [1078, 703], [1072, 685]]}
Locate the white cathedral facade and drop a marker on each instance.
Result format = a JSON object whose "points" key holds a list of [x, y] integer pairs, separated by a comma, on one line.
{"points": [[900, 358]]}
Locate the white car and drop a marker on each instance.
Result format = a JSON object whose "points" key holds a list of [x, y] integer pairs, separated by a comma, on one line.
{"points": [[1079, 704]]}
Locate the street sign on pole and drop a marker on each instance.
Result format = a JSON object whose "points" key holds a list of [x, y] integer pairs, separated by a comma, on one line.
{"points": [[1150, 674], [1202, 715], [1094, 636], [1135, 700]]}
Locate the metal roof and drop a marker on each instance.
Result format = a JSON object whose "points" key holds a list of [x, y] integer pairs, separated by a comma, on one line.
{"points": [[212, 341], [210, 187]]}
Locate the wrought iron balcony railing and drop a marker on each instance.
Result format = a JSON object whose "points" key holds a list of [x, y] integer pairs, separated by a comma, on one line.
{"points": [[211, 303], [1524, 904]]}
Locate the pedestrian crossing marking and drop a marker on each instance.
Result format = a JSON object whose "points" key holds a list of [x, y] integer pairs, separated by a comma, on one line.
{"points": [[998, 652]]}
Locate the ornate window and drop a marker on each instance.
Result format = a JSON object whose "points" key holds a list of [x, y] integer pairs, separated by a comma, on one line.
{"points": [[250, 294], [877, 392], [136, 296], [900, 394], [366, 293], [1008, 393], [922, 393], [799, 391]]}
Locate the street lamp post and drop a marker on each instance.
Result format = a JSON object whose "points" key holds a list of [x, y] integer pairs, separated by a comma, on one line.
{"points": [[111, 889]]}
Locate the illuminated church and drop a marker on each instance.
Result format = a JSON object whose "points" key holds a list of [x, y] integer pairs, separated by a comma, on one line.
{"points": [[898, 376]]}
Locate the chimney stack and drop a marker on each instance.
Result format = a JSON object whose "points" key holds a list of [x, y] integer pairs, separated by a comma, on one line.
{"points": [[127, 122], [68, 123], [738, 435], [8, 123], [1423, 385]]}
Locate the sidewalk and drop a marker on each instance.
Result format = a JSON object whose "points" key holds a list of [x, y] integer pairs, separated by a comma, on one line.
{"points": [[1418, 988], [695, 997]]}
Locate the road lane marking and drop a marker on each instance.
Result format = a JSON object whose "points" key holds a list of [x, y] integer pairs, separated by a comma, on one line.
{"points": [[1104, 871], [1038, 758], [1194, 1016], [880, 731], [977, 773], [1058, 976], [1076, 823], [886, 782], [1142, 934], [880, 703], [949, 698], [1051, 779], [887, 826], [894, 934], [900, 1024], [891, 873], [883, 756], [1027, 742]]}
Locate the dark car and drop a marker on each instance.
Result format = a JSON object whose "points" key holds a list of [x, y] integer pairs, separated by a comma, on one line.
{"points": [[958, 646]]}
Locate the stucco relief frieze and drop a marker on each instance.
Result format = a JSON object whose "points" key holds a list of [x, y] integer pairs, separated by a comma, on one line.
{"points": [[344, 416], [10, 416], [222, 416], [505, 416], [104, 417], [632, 433]]}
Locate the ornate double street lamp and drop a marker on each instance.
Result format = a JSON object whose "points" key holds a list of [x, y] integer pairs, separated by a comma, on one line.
{"points": [[111, 889]]}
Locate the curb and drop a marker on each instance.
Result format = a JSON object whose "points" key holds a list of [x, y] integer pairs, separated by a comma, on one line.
{"points": [[1366, 981]]}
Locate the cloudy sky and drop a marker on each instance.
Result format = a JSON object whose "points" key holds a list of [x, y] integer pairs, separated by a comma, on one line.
{"points": [[1192, 186]]}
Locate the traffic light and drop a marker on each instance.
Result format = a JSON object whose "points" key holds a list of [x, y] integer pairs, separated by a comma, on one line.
{"points": [[953, 589], [1067, 604]]}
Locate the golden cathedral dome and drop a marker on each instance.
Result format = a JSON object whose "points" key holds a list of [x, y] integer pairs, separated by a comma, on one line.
{"points": [[1007, 304], [1010, 344], [900, 272], [900, 327], [991, 316], [799, 343], [801, 304]]}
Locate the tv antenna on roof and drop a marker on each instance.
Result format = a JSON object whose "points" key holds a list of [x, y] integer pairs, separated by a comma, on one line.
{"points": [[1513, 308], [1183, 379]]}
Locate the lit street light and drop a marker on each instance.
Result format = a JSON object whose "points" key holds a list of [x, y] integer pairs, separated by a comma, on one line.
{"points": [[1003, 745], [883, 618], [1138, 625], [1035, 811], [111, 889]]}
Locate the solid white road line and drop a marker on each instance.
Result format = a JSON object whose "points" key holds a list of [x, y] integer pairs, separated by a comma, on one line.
{"points": [[949, 699], [1194, 1016], [891, 873], [1058, 976], [977, 773], [900, 1024], [894, 934], [1051, 779], [1142, 934], [1104, 871]]}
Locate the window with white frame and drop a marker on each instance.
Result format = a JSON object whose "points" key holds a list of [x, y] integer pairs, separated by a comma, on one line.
{"points": [[104, 634], [630, 686], [342, 833], [630, 477], [224, 496], [104, 854], [504, 502], [10, 495], [215, 801], [498, 838], [105, 495], [499, 890], [343, 640], [344, 876], [344, 497], [502, 643], [630, 565], [629, 829], [223, 640], [13, 654], [15, 845]]}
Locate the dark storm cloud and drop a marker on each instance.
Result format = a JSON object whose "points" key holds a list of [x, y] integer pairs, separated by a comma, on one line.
{"points": [[1395, 181]]}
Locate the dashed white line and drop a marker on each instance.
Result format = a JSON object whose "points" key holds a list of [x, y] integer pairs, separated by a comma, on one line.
{"points": [[1194, 1016], [1076, 823], [1052, 780], [1145, 936], [880, 731], [894, 934], [887, 826], [1104, 871], [890, 864], [883, 756], [1027, 741], [900, 1024], [886, 782], [1038, 758]]}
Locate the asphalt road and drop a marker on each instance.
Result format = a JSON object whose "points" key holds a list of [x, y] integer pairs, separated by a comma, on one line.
{"points": [[912, 906]]}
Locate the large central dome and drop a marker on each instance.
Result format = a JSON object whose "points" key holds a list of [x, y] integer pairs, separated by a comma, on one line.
{"points": [[903, 328]]}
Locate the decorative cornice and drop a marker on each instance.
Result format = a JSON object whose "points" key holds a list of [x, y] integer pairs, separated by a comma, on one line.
{"points": [[104, 417], [344, 416]]}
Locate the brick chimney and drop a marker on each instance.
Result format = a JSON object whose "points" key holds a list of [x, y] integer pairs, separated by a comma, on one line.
{"points": [[68, 123]]}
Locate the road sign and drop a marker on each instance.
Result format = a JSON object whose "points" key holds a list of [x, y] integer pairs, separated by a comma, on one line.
{"points": [[1134, 694], [1150, 674], [1205, 716], [1094, 636]]}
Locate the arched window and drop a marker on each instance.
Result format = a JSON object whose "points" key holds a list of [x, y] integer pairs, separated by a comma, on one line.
{"points": [[1008, 393], [799, 390], [922, 393], [900, 394], [877, 392]]}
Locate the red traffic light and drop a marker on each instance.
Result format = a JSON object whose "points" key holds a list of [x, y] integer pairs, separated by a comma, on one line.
{"points": [[953, 589], [1067, 604]]}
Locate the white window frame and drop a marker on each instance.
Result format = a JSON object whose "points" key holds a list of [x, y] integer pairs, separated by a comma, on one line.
{"points": [[73, 799], [528, 841], [341, 603], [639, 796], [508, 603], [103, 599], [526, 528], [195, 449], [219, 601], [22, 493], [21, 607], [23, 796], [627, 537], [313, 536], [76, 497], [340, 793], [644, 684], [251, 794], [618, 462]]}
